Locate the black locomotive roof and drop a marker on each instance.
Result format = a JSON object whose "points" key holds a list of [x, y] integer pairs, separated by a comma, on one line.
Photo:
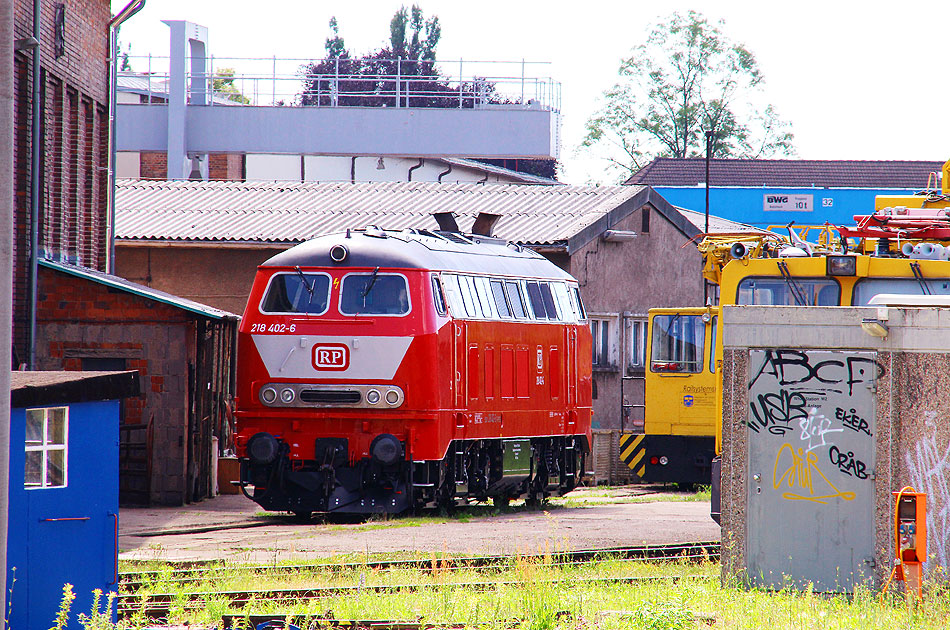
{"points": [[421, 249]]}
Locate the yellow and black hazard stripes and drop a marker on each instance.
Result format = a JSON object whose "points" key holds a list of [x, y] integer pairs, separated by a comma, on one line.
{"points": [[632, 452]]}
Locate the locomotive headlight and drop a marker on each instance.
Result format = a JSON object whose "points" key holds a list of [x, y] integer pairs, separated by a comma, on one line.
{"points": [[287, 396], [664, 460], [338, 253], [268, 395], [392, 397], [372, 396]]}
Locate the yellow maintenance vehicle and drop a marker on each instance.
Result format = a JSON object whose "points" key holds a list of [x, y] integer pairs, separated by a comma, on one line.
{"points": [[899, 254]]}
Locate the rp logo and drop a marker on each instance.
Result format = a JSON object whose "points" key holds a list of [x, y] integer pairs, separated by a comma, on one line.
{"points": [[687, 401], [331, 356]]}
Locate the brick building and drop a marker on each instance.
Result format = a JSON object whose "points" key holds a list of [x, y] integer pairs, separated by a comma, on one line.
{"points": [[88, 320], [67, 188]]}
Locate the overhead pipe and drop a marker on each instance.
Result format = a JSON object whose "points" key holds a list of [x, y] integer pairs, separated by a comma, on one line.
{"points": [[128, 11]]}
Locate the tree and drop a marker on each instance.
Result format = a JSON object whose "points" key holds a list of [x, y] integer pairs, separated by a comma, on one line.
{"points": [[342, 80], [370, 81], [687, 78], [223, 86]]}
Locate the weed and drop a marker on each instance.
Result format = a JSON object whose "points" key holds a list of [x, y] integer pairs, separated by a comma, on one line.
{"points": [[62, 616]]}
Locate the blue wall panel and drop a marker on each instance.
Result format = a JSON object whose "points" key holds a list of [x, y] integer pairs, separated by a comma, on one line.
{"points": [[65, 535], [746, 205]]}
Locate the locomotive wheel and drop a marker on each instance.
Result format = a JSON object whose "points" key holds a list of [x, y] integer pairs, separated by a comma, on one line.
{"points": [[501, 501]]}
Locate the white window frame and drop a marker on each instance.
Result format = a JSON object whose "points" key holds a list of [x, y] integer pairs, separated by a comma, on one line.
{"points": [[637, 342], [604, 357], [45, 447]]}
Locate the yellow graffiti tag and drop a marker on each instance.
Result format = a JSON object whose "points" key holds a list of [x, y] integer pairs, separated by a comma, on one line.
{"points": [[801, 473]]}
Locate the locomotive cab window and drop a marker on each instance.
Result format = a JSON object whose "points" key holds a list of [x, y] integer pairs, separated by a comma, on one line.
{"points": [[578, 303], [374, 293], [678, 342], [565, 304], [437, 297], [867, 288], [789, 292], [297, 293]]}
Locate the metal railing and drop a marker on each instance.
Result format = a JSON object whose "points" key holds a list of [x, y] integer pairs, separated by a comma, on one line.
{"points": [[349, 82]]}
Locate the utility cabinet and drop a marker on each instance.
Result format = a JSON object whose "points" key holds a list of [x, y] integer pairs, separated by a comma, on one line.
{"points": [[810, 487]]}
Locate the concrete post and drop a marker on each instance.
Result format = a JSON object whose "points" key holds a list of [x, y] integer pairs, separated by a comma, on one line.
{"points": [[184, 38], [6, 274]]}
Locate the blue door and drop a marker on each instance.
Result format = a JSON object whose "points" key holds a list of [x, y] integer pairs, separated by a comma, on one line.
{"points": [[64, 489]]}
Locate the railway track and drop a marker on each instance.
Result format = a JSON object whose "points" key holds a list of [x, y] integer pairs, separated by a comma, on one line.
{"points": [[156, 606], [707, 550]]}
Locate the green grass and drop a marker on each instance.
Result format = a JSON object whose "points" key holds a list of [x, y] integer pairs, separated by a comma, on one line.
{"points": [[541, 595]]}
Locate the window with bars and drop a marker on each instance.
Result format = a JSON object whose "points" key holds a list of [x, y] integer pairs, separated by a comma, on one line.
{"points": [[47, 431]]}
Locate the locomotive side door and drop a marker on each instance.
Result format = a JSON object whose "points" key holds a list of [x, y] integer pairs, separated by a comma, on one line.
{"points": [[570, 360], [460, 331]]}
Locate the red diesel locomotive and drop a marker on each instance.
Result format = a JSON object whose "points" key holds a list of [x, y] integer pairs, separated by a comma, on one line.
{"points": [[380, 371]]}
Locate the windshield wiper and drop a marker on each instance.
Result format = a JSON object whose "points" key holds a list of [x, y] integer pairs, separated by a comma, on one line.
{"points": [[797, 292], [308, 287], [369, 285]]}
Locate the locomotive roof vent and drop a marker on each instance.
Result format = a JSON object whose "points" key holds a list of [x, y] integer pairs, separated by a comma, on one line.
{"points": [[446, 221], [484, 223], [338, 253]]}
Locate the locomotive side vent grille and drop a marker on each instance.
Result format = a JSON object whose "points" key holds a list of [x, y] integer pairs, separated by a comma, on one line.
{"points": [[330, 396]]}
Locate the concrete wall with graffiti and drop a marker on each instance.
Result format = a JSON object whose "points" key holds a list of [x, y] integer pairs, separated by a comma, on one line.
{"points": [[821, 423]]}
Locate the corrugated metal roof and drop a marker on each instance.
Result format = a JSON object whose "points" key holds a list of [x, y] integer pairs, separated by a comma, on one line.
{"points": [[908, 174], [716, 224], [292, 212], [122, 284], [525, 178]]}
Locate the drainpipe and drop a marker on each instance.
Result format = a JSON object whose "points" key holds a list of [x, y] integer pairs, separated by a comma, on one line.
{"points": [[35, 169], [353, 170], [130, 9], [412, 168], [444, 173]]}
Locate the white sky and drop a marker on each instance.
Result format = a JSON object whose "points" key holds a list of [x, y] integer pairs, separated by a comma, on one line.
{"points": [[858, 80]]}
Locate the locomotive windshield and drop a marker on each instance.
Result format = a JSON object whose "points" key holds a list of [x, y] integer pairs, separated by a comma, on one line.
{"points": [[678, 343], [297, 293], [867, 288], [789, 292], [374, 294]]}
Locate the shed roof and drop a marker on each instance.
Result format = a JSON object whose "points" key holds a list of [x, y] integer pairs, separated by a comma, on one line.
{"points": [[293, 212], [50, 388], [115, 282], [909, 174]]}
